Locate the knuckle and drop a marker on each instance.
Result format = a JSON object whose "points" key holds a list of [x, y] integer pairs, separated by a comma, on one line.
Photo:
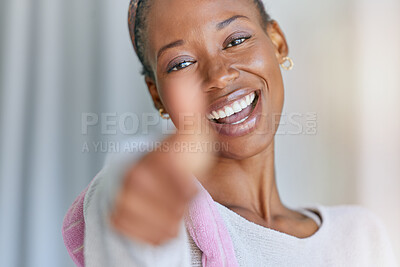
{"points": [[172, 228], [115, 222], [159, 240], [174, 231], [179, 211]]}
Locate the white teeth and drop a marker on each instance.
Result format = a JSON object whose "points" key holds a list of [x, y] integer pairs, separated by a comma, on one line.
{"points": [[229, 111], [248, 100], [215, 115], [252, 96], [243, 104], [242, 120], [236, 107]]}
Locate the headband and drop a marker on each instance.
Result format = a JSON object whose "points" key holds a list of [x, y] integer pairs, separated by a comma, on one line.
{"points": [[131, 21]]}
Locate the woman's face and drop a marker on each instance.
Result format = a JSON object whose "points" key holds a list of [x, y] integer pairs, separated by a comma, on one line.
{"points": [[223, 46]]}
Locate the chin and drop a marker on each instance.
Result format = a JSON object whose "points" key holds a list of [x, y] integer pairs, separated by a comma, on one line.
{"points": [[246, 147]]}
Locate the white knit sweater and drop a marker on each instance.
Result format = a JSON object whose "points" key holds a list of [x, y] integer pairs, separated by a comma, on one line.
{"points": [[348, 235]]}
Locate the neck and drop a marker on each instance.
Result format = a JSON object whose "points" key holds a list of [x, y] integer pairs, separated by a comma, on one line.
{"points": [[246, 185]]}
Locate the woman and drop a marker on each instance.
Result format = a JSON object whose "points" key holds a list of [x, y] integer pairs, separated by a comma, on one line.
{"points": [[220, 59]]}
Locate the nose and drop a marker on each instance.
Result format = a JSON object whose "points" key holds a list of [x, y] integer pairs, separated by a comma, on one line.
{"points": [[220, 74]]}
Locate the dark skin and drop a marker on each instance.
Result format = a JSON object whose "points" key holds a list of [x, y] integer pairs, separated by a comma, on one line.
{"points": [[243, 177]]}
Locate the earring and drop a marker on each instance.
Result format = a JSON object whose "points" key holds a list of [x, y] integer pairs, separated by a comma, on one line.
{"points": [[291, 64], [160, 111]]}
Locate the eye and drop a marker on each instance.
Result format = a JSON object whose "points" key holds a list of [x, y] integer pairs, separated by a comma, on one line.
{"points": [[180, 65], [237, 41]]}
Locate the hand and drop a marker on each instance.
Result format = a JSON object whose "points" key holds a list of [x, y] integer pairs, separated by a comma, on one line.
{"points": [[157, 190]]}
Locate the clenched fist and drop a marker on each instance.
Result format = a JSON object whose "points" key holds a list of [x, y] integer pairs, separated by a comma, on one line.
{"points": [[156, 191]]}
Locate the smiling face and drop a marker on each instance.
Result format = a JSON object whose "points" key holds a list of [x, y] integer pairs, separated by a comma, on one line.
{"points": [[224, 46]]}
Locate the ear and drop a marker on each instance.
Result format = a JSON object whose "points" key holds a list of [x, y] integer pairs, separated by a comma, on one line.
{"points": [[278, 39], [152, 87]]}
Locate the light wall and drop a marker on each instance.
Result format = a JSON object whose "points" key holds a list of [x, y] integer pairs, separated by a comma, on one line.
{"points": [[347, 71], [60, 59]]}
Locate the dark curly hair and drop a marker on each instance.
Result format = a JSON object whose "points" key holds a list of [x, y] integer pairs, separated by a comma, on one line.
{"points": [[137, 29]]}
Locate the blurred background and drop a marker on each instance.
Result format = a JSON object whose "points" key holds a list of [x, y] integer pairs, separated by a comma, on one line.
{"points": [[61, 60]]}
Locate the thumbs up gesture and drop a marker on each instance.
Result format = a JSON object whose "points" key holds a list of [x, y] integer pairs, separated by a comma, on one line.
{"points": [[157, 189]]}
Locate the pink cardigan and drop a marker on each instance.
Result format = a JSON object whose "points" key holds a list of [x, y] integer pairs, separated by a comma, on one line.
{"points": [[203, 223]]}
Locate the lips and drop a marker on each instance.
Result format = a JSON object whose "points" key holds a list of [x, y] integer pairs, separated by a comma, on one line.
{"points": [[226, 112], [243, 122], [234, 111]]}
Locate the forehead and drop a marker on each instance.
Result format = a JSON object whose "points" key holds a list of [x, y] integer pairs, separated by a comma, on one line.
{"points": [[169, 20]]}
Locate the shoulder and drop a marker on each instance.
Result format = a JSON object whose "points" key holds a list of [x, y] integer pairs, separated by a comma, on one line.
{"points": [[356, 217], [351, 213], [361, 230], [358, 224], [351, 222]]}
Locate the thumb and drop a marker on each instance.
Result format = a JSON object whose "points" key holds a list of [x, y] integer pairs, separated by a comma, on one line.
{"points": [[194, 138], [186, 103]]}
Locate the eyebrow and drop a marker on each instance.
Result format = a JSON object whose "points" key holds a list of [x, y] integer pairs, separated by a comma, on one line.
{"points": [[225, 23], [170, 45], [221, 25]]}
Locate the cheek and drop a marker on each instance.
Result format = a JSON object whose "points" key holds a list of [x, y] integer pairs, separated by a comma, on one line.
{"points": [[262, 62], [260, 59]]}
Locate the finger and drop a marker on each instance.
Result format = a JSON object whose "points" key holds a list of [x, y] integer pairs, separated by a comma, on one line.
{"points": [[187, 106], [138, 226], [137, 206], [155, 178], [160, 189], [173, 176], [187, 97], [189, 153], [138, 230]]}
